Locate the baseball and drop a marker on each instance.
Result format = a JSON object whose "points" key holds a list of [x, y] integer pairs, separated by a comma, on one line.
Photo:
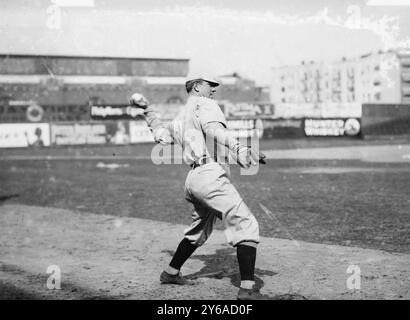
{"points": [[137, 97]]}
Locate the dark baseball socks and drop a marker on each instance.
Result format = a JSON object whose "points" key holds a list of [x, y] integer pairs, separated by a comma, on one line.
{"points": [[184, 251], [246, 255]]}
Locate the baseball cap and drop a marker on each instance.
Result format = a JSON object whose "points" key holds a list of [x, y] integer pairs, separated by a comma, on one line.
{"points": [[203, 76]]}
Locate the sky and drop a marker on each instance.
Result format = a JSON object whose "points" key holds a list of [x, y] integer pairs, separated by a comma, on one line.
{"points": [[220, 37]]}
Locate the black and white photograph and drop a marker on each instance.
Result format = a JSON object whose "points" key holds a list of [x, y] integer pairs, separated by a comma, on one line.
{"points": [[229, 151]]}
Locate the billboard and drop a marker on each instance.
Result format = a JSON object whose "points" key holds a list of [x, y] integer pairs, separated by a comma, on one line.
{"points": [[115, 112], [76, 134], [126, 112], [14, 135], [117, 132], [245, 128], [246, 109], [331, 127]]}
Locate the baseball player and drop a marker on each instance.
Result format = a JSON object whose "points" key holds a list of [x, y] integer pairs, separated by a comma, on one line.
{"points": [[200, 128]]}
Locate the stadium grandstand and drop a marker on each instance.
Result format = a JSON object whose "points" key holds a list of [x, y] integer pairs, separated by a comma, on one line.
{"points": [[64, 86]]}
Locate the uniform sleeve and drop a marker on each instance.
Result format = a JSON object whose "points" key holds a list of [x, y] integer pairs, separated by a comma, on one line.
{"points": [[217, 132], [209, 111], [162, 133]]}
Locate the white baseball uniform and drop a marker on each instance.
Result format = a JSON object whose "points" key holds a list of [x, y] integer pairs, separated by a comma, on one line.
{"points": [[207, 186]]}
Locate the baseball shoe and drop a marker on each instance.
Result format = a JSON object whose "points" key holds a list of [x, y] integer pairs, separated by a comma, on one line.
{"points": [[251, 294], [167, 278]]}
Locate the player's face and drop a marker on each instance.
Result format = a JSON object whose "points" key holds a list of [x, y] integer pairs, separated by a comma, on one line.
{"points": [[205, 89]]}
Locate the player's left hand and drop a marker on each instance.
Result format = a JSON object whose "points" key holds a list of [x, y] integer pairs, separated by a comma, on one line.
{"points": [[138, 100], [261, 157], [257, 157], [248, 157]]}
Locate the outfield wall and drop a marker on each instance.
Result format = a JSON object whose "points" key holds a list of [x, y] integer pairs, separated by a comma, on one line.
{"points": [[385, 119], [122, 132], [123, 124]]}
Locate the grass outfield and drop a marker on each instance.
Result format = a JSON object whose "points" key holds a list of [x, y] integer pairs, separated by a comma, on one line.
{"points": [[345, 202]]}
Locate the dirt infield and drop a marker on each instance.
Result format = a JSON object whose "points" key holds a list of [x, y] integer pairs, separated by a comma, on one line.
{"points": [[121, 258]]}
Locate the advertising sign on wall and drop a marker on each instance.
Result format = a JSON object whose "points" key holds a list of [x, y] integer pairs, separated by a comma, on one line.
{"points": [[13, 135], [331, 127], [76, 134], [246, 128], [115, 112], [117, 132], [246, 109]]}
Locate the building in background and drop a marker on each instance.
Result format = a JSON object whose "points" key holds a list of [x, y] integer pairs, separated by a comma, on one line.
{"points": [[236, 88], [380, 77], [74, 79]]}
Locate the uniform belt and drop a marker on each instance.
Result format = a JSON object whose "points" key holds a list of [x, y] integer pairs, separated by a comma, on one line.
{"points": [[202, 161]]}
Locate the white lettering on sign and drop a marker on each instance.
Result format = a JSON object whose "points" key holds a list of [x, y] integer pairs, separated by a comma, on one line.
{"points": [[240, 124], [325, 127], [78, 134], [24, 134], [108, 111]]}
